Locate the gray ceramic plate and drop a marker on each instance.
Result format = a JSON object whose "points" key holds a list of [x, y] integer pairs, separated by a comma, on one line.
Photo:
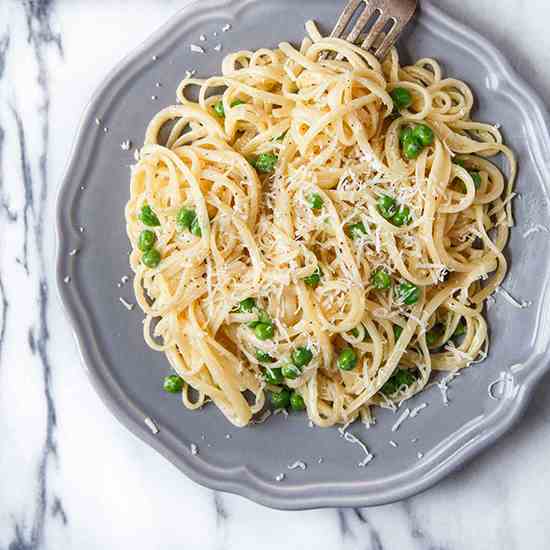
{"points": [[128, 375]]}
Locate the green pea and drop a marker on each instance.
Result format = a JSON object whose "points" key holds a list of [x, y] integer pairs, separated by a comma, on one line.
{"points": [[397, 331], [219, 109], [151, 258], [196, 228], [402, 98], [409, 293], [315, 201], [186, 217], [476, 176], [297, 402], [387, 206], [356, 230], [247, 306], [173, 384], [291, 372], [399, 379], [314, 280], [347, 360], [460, 330], [273, 377], [381, 280], [263, 316], [264, 331], [280, 400], [433, 336], [265, 162], [147, 240], [405, 135], [237, 102], [412, 148], [402, 217], [424, 135], [263, 357], [302, 357], [148, 217]]}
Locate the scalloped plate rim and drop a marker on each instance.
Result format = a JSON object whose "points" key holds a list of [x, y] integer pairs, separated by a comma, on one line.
{"points": [[241, 479]]}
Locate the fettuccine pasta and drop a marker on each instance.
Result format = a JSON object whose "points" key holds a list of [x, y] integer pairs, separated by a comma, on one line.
{"points": [[326, 231]]}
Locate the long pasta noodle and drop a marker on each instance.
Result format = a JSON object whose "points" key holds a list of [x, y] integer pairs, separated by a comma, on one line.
{"points": [[264, 207]]}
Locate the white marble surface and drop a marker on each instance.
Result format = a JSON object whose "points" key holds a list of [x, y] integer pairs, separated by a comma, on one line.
{"points": [[70, 476]]}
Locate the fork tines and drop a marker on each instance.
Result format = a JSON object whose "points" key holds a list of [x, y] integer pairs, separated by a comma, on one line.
{"points": [[387, 18]]}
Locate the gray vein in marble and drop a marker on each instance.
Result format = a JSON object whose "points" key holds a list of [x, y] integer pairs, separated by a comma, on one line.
{"points": [[27, 184], [222, 516], [40, 35], [4, 205], [58, 510], [419, 534], [375, 540], [4, 305], [346, 519]]}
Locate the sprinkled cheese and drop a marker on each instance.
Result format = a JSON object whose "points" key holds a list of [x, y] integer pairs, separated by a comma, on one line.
{"points": [[67, 280], [511, 300], [536, 229], [443, 386], [126, 145], [404, 415], [420, 455], [416, 410], [298, 464], [127, 305], [218, 47], [505, 385], [151, 425], [73, 252], [202, 38], [350, 438], [98, 121], [393, 443], [279, 477], [226, 27], [194, 449], [196, 49]]}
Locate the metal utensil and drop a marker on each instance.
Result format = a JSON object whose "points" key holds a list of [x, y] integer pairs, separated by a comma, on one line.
{"points": [[388, 18]]}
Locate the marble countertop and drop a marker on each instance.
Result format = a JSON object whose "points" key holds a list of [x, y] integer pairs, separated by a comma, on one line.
{"points": [[73, 477]]}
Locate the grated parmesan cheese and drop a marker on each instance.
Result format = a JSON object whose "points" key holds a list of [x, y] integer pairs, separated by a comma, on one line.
{"points": [[404, 415], [196, 49], [511, 300], [350, 438], [298, 464], [151, 425], [126, 304], [536, 229], [416, 410]]}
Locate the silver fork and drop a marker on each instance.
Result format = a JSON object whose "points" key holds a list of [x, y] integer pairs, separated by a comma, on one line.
{"points": [[389, 17]]}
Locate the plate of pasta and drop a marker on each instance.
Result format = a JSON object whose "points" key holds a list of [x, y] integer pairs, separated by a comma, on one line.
{"points": [[313, 290]]}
